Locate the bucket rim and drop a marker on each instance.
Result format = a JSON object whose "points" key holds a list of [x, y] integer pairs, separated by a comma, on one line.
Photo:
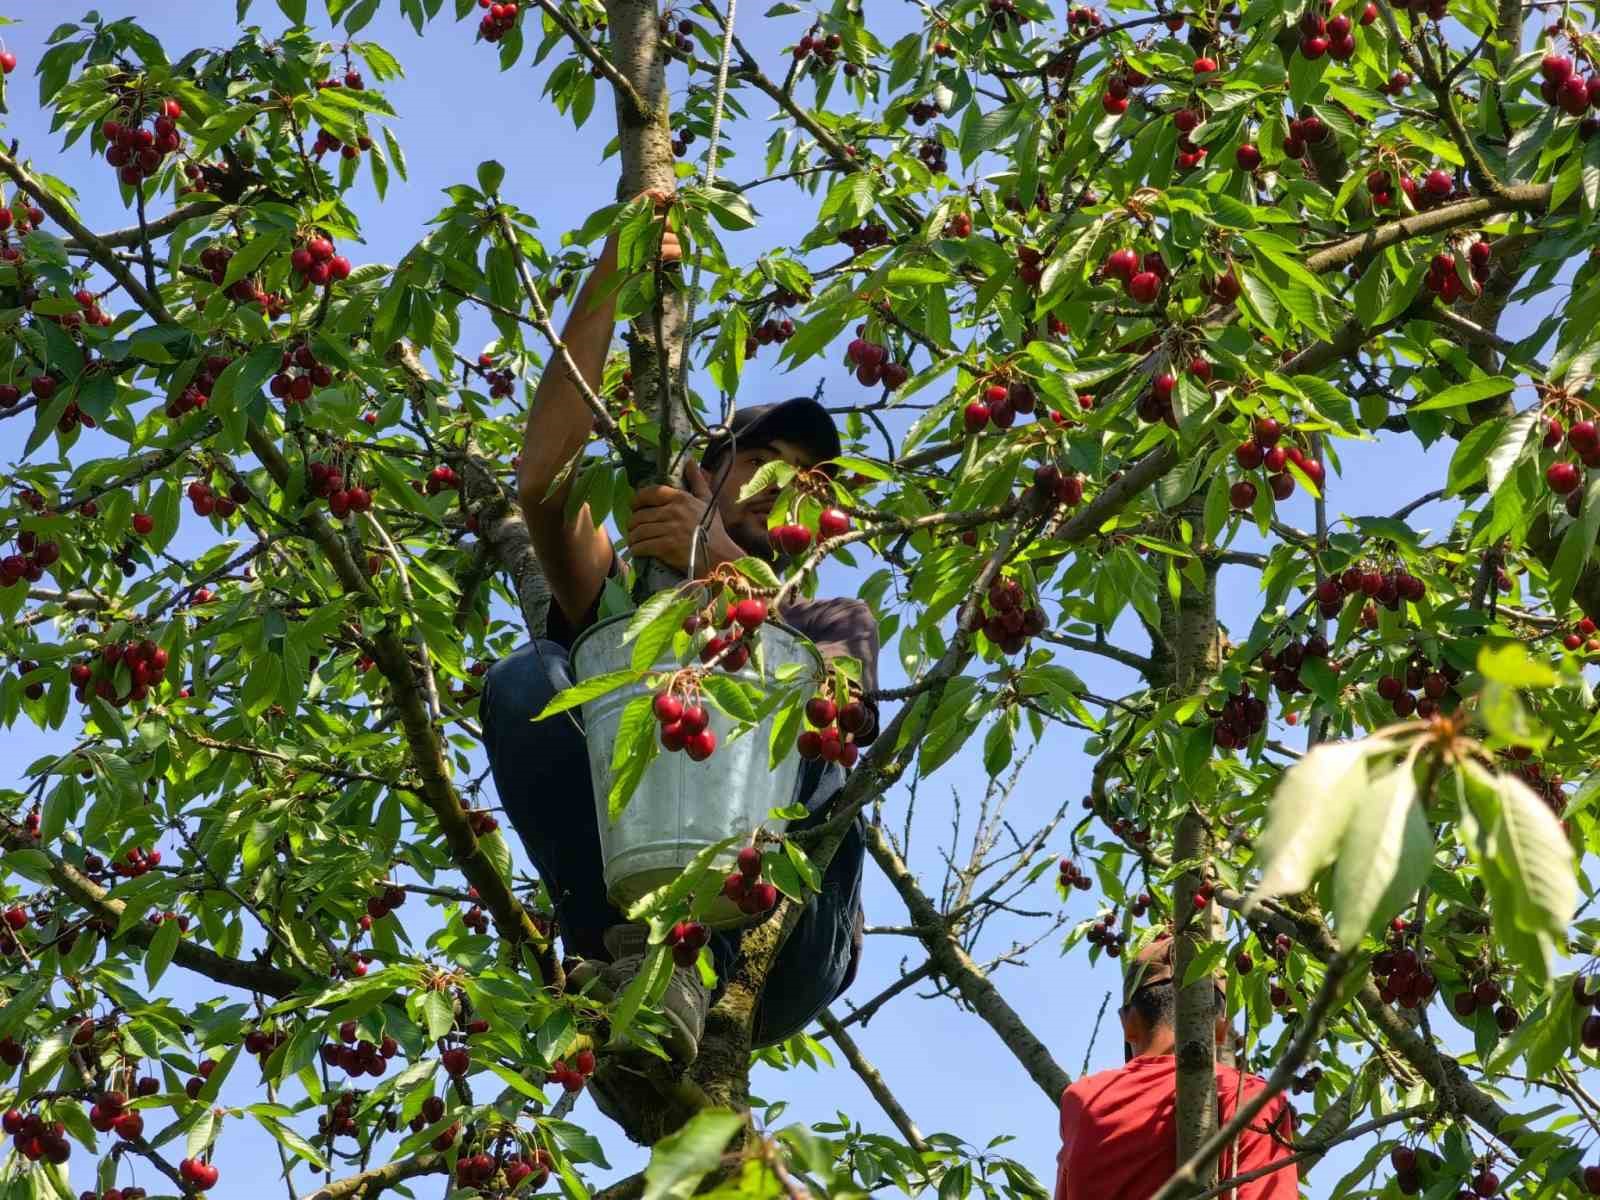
{"points": [[577, 642]]}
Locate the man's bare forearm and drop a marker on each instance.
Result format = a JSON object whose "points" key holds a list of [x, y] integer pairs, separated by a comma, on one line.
{"points": [[559, 422]]}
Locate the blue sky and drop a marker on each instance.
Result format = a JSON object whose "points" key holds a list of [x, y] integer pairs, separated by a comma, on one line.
{"points": [[457, 109]]}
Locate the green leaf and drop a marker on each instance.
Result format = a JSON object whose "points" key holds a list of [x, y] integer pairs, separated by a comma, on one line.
{"points": [[490, 176], [201, 1133], [439, 1011], [730, 209], [162, 946], [803, 865], [1508, 449], [1470, 462], [294, 10], [1384, 857], [1309, 814], [22, 1004], [1469, 392], [252, 254], [588, 689], [1511, 664], [293, 1141], [654, 627], [681, 1160], [634, 750]]}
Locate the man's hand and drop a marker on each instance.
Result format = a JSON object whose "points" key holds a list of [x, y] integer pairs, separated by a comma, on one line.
{"points": [[671, 249], [665, 521]]}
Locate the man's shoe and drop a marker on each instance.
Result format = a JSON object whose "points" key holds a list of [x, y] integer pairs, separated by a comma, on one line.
{"points": [[684, 1003]]}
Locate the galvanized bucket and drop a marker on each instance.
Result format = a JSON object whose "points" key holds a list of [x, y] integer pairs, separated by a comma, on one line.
{"points": [[681, 806]]}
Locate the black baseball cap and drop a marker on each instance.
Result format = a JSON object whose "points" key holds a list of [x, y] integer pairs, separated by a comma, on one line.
{"points": [[800, 420]]}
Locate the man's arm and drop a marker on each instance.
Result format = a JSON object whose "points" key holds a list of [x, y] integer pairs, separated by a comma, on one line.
{"points": [[574, 554]]}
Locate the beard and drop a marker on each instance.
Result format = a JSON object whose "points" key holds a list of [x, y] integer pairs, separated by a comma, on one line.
{"points": [[750, 535]]}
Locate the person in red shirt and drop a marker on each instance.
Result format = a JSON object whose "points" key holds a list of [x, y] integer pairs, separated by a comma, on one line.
{"points": [[1119, 1131]]}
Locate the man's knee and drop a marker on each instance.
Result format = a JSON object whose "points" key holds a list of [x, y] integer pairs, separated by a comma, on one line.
{"points": [[519, 686]]}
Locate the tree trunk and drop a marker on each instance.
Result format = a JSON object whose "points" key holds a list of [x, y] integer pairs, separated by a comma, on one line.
{"points": [[655, 338], [1188, 650]]}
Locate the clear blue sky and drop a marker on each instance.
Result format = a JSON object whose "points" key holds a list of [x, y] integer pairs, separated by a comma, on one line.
{"points": [[457, 109]]}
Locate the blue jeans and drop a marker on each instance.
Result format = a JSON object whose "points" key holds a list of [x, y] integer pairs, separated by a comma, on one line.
{"points": [[541, 770]]}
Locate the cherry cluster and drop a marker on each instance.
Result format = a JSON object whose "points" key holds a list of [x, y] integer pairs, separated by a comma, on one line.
{"points": [[215, 258], [342, 1120], [161, 918], [678, 33], [441, 479], [572, 1077], [1155, 405], [327, 482], [1104, 933], [1307, 1081], [744, 887], [92, 313], [1074, 876], [356, 1055], [1413, 1168], [863, 237], [822, 49], [1437, 685], [199, 1173], [789, 539], [146, 664], [476, 919], [1563, 476], [1003, 13], [1548, 787], [1402, 977], [1010, 622], [33, 557], [871, 361], [503, 382], [1563, 88], [197, 393], [1390, 588], [769, 331], [263, 1042], [384, 903], [832, 738], [1303, 132], [206, 502], [1444, 281], [431, 1113], [933, 155], [1262, 449], [958, 226], [137, 151], [1582, 636], [326, 141], [1141, 278], [685, 939], [481, 821], [1241, 717], [36, 1139], [1333, 36], [1115, 98], [684, 725], [26, 667], [998, 405], [316, 262], [1083, 17], [1063, 487], [295, 386], [498, 19]]}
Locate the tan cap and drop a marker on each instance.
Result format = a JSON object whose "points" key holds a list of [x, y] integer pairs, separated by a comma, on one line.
{"points": [[1152, 965]]}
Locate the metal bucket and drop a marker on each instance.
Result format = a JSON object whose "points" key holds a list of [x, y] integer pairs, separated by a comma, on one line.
{"points": [[680, 806]]}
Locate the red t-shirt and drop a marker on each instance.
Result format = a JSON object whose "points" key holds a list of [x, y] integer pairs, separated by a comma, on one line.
{"points": [[1119, 1137]]}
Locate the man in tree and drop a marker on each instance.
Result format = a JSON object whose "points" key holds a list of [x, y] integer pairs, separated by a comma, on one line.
{"points": [[541, 769], [1119, 1136]]}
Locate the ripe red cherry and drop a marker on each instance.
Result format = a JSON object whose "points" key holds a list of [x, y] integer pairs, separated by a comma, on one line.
{"points": [[8, 62], [1204, 65], [1268, 431], [1122, 264], [1556, 67], [1242, 495], [832, 522], [1248, 455], [668, 708], [976, 416], [1145, 286], [1562, 477], [143, 523], [750, 612], [1591, 1180], [700, 746], [1247, 156], [750, 862], [821, 711], [1438, 184]]}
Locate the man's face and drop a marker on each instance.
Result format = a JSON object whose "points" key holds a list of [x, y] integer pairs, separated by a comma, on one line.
{"points": [[746, 522]]}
